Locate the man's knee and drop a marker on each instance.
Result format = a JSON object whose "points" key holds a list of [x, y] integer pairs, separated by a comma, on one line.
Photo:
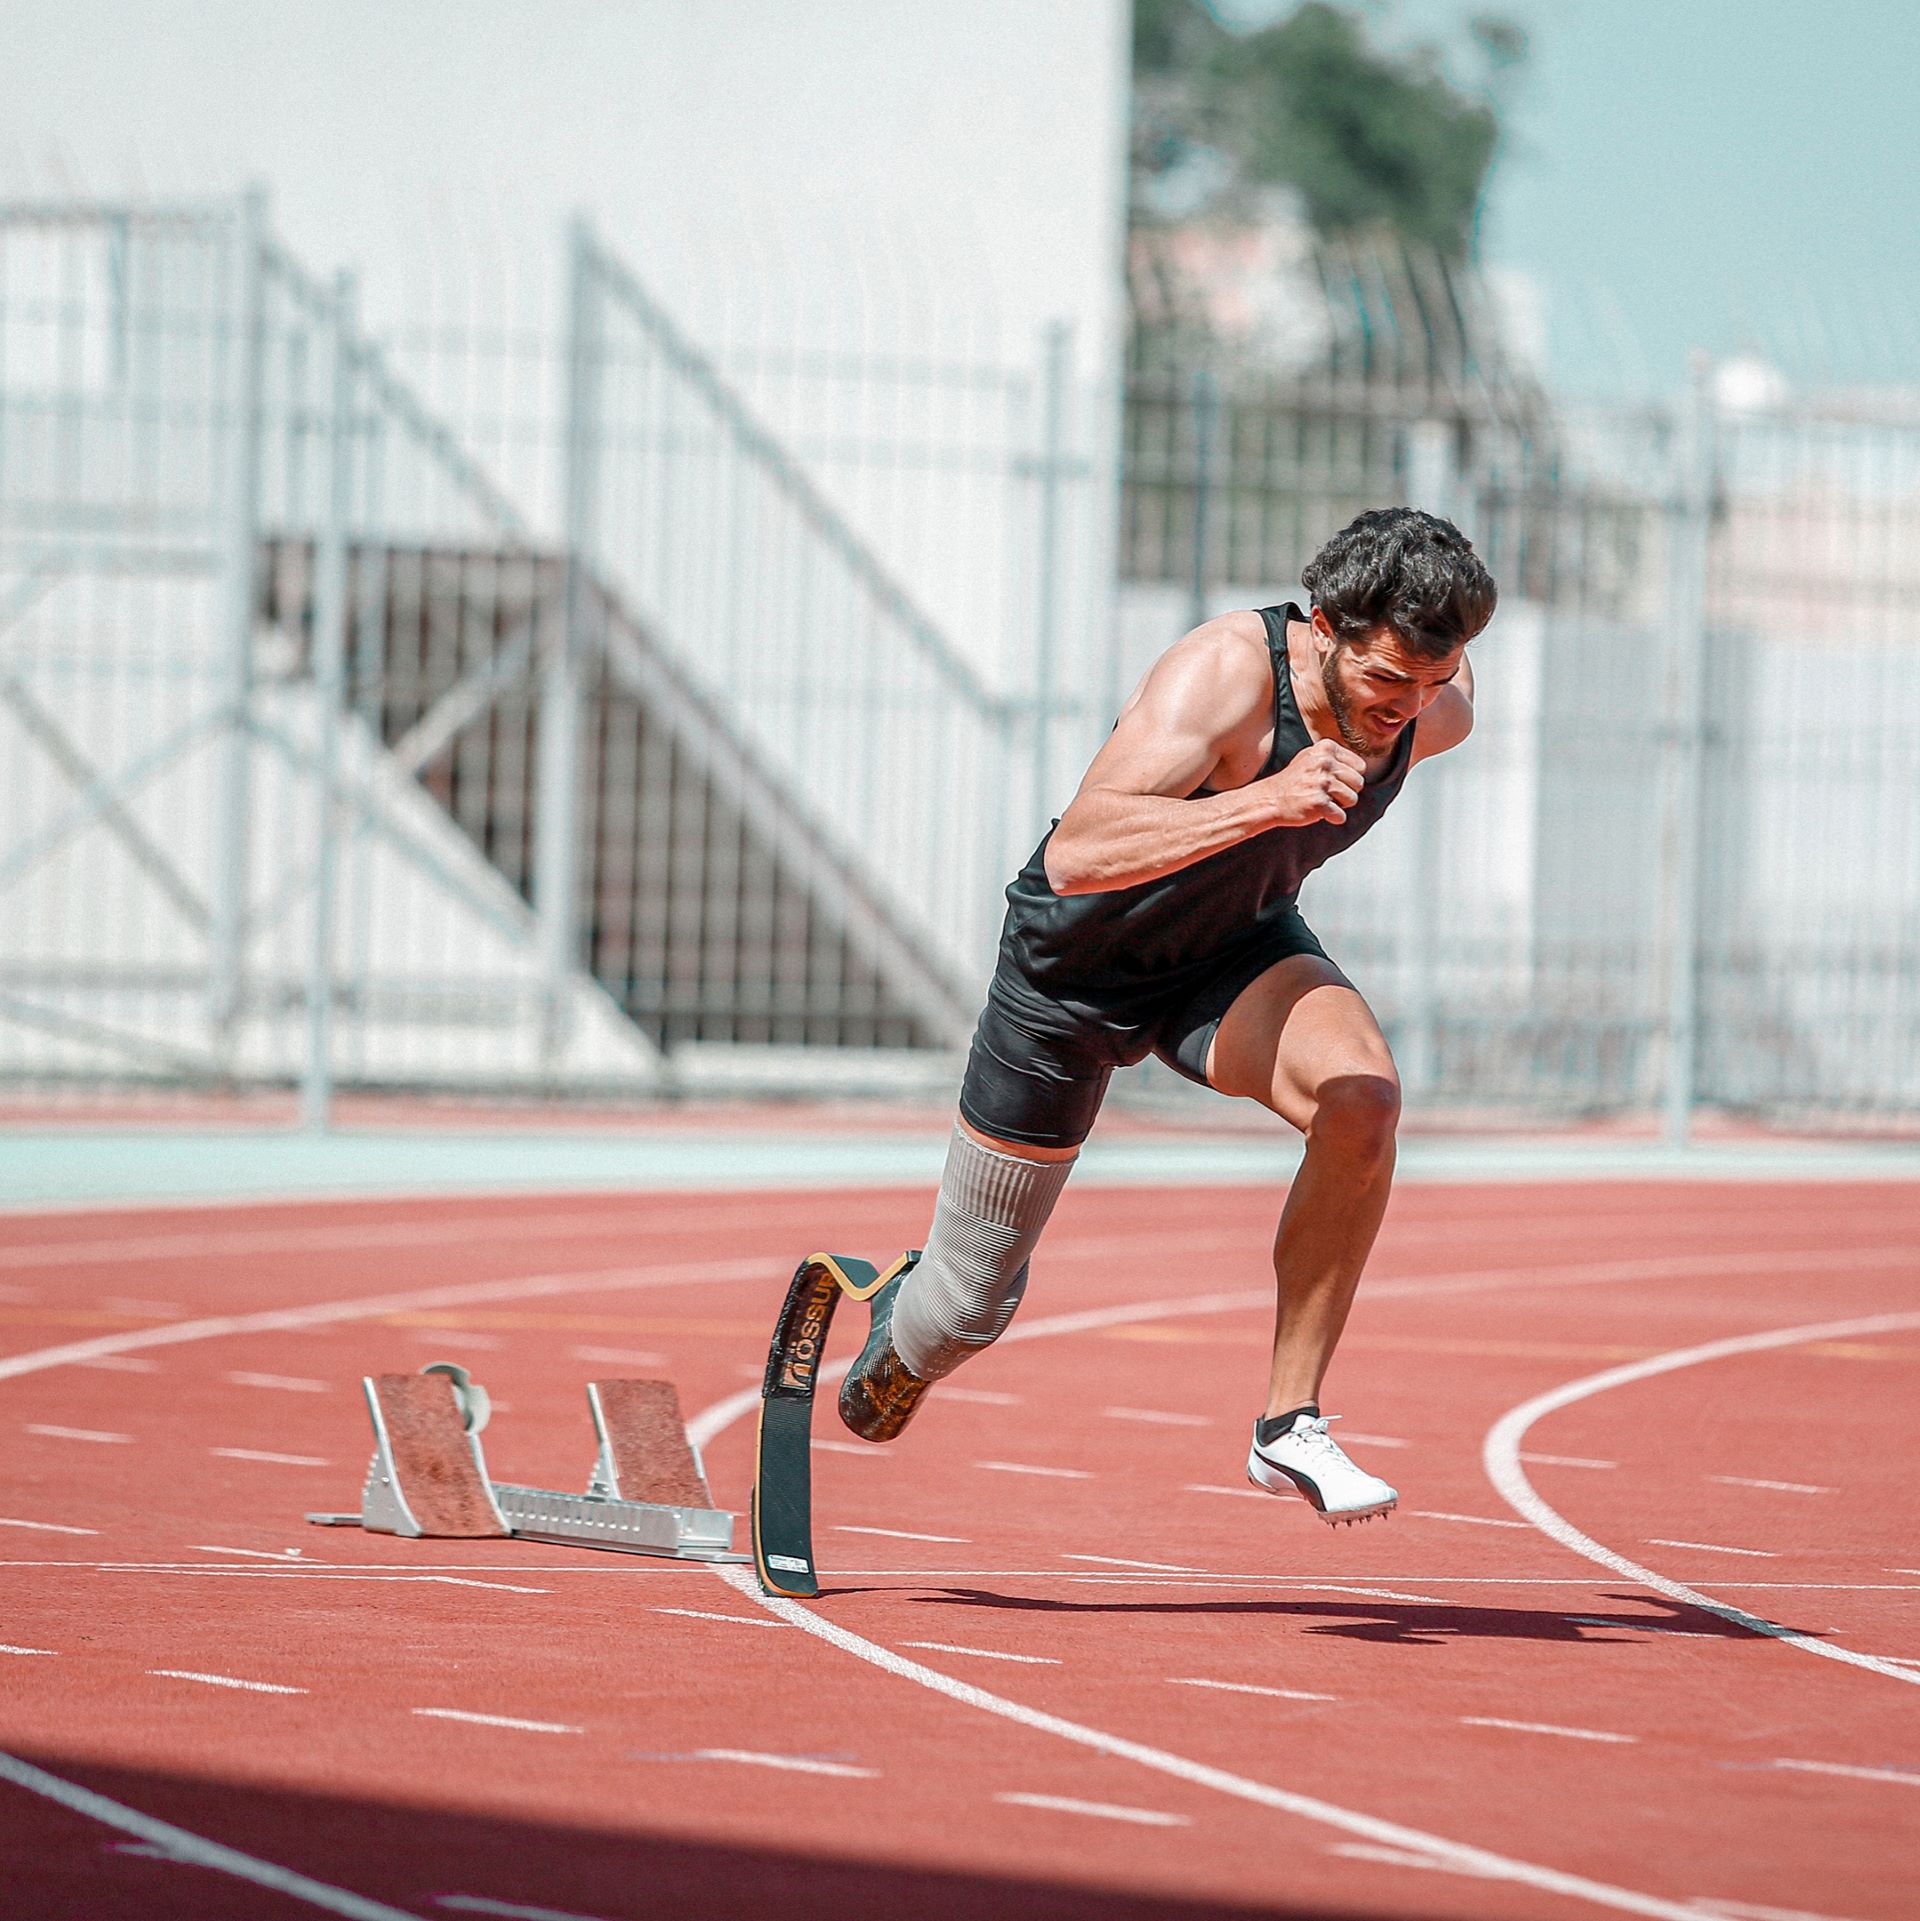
{"points": [[1355, 1115], [973, 1270]]}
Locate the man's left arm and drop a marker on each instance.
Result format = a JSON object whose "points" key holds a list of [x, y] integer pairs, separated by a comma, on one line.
{"points": [[1449, 720]]}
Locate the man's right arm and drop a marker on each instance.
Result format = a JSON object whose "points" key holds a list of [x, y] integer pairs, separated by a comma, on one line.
{"points": [[1207, 700]]}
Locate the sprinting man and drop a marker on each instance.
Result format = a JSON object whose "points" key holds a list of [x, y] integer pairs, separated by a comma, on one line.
{"points": [[1161, 916]]}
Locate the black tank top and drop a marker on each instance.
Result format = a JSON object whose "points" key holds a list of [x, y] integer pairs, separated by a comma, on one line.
{"points": [[1134, 944]]}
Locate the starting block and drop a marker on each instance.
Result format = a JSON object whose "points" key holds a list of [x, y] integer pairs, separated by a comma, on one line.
{"points": [[647, 1493]]}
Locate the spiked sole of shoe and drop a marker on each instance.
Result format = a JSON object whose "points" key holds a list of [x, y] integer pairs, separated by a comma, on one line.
{"points": [[1286, 1488]]}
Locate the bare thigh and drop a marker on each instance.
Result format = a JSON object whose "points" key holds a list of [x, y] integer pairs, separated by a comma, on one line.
{"points": [[1298, 1036]]}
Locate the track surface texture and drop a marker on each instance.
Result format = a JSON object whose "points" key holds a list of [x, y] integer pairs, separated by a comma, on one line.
{"points": [[1643, 1638]]}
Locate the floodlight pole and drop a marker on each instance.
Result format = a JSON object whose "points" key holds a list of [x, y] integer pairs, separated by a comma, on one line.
{"points": [[240, 551], [564, 646], [1684, 827], [1431, 484], [329, 674], [1206, 429], [1056, 374]]}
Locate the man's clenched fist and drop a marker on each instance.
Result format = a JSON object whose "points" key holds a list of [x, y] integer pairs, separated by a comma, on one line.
{"points": [[1319, 783]]}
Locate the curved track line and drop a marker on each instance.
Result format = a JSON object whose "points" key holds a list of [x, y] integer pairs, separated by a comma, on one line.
{"points": [[1501, 1455], [710, 1422], [1458, 1855], [713, 1420], [178, 1844]]}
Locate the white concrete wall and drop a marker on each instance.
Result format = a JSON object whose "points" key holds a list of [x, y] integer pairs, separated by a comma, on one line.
{"points": [[827, 155]]}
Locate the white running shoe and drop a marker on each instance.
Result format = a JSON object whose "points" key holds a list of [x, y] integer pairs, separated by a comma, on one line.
{"points": [[1309, 1462]]}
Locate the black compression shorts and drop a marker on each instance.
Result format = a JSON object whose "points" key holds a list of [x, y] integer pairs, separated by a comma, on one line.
{"points": [[1038, 1068]]}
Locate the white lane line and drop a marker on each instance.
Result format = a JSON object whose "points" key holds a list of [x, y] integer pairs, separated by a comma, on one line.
{"points": [[54, 1433], [1900, 1777], [508, 1910], [178, 1844], [709, 1614], [425, 1570], [1154, 1418], [498, 1721], [250, 1553], [1207, 1487], [456, 1337], [865, 1449], [902, 1534], [225, 1681], [1400, 1858], [1021, 1467], [1373, 1440], [1471, 1520], [1246, 1687], [1546, 1727], [287, 1383], [263, 1454], [1741, 1480], [1501, 1456], [1281, 1800], [122, 1364], [1566, 1460], [315, 1572], [1713, 1547], [980, 1396], [1099, 1810], [1378, 1593], [789, 1763], [620, 1356], [7, 1648], [986, 1654], [716, 1418], [1716, 1910], [1112, 1560], [48, 1527]]}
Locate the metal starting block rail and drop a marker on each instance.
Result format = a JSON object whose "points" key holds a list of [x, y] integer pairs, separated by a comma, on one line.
{"points": [[647, 1493]]}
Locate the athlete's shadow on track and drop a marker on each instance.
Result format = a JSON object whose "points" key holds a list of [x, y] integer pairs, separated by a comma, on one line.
{"points": [[1400, 1623]]}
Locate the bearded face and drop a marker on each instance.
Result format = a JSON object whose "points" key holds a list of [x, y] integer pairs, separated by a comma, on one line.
{"points": [[1374, 688]]}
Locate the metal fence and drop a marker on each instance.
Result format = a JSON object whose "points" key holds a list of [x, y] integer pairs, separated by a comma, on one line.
{"points": [[1678, 863], [562, 706]]}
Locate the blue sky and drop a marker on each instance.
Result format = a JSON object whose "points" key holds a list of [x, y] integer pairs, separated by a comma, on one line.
{"points": [[1706, 173]]}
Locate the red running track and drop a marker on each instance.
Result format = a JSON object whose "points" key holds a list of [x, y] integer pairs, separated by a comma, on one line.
{"points": [[1068, 1663]]}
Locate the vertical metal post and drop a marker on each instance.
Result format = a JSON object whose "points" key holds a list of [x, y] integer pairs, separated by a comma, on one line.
{"points": [[564, 646], [329, 672], [1206, 426], [1684, 742], [240, 547], [1056, 372], [1431, 485]]}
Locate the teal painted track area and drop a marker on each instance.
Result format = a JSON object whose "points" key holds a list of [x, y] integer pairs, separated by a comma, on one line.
{"points": [[54, 1165]]}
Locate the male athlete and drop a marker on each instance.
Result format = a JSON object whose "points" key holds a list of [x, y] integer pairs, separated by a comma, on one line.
{"points": [[1160, 916]]}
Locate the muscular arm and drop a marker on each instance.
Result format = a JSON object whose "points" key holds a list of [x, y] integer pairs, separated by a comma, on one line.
{"points": [[1207, 702]]}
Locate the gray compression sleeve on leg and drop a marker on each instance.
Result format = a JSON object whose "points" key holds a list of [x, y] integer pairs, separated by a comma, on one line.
{"points": [[962, 1293]]}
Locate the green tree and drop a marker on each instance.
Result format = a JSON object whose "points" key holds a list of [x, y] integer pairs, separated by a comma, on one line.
{"points": [[1373, 142]]}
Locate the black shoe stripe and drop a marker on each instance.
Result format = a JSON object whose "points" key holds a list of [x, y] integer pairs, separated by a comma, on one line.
{"points": [[1306, 1487]]}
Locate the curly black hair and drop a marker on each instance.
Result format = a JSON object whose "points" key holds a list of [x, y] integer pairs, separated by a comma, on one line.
{"points": [[1400, 568]]}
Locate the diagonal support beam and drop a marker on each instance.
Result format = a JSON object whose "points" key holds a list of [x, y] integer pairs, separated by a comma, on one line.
{"points": [[105, 795], [467, 699]]}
